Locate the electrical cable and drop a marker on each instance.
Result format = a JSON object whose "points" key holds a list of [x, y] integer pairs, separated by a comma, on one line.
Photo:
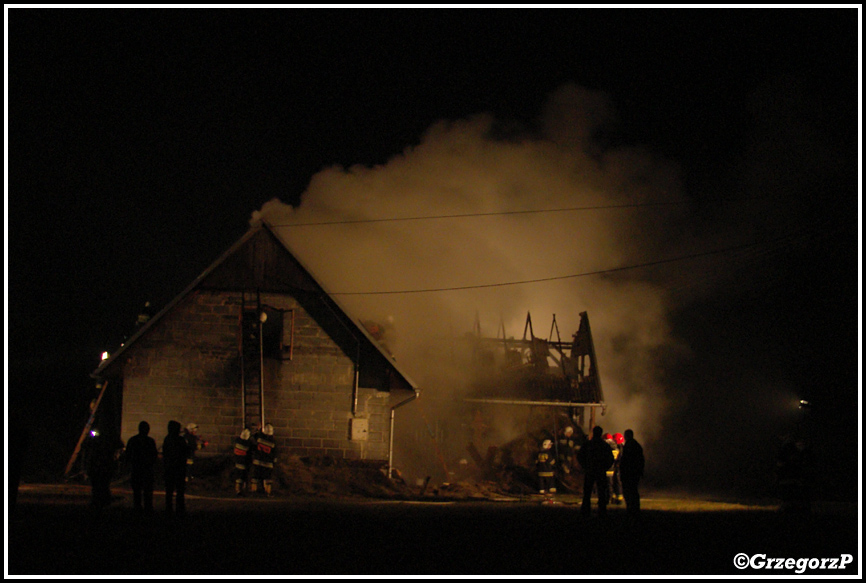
{"points": [[784, 238], [490, 214]]}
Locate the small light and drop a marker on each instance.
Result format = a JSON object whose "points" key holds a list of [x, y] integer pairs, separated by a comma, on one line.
{"points": [[104, 355], [804, 404]]}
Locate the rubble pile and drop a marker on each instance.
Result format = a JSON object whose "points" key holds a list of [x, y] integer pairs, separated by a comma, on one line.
{"points": [[338, 478], [306, 476], [510, 468], [328, 476]]}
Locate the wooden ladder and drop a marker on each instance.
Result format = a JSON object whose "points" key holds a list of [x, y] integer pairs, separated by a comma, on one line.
{"points": [[84, 433]]}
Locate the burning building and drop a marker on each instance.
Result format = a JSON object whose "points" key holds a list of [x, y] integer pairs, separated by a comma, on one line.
{"points": [[517, 392], [255, 339], [534, 371]]}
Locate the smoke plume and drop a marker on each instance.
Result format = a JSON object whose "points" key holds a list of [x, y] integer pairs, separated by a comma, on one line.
{"points": [[450, 271]]}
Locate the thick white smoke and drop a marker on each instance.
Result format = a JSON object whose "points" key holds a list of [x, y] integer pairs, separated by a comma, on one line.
{"points": [[461, 168]]}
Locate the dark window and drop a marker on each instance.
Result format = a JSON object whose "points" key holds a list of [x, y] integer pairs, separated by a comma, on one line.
{"points": [[272, 334]]}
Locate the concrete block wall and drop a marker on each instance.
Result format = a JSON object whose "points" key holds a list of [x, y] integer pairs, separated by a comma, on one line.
{"points": [[186, 368]]}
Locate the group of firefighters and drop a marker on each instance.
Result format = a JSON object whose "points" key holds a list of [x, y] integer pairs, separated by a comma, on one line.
{"points": [[254, 457], [253, 453], [612, 466]]}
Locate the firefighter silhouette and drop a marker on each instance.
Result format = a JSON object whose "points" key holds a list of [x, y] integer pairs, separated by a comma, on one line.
{"points": [[103, 451], [614, 482], [595, 457], [174, 458], [631, 465], [141, 455]]}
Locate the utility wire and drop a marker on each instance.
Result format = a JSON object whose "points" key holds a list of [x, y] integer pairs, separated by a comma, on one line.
{"points": [[523, 212], [490, 214], [787, 237], [759, 259]]}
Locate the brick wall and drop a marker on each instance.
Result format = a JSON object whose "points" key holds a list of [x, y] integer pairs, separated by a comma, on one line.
{"points": [[186, 368]]}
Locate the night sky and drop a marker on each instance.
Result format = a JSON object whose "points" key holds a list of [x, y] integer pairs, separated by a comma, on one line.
{"points": [[140, 142]]}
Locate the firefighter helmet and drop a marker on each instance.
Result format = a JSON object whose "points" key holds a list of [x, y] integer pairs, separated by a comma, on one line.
{"points": [[568, 431], [608, 437], [245, 434], [618, 438], [268, 429], [546, 444]]}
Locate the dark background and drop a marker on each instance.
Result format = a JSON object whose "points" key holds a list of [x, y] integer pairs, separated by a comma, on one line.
{"points": [[289, 538], [141, 140]]}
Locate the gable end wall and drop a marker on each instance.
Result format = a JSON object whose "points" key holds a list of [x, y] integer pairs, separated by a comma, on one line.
{"points": [[187, 368]]}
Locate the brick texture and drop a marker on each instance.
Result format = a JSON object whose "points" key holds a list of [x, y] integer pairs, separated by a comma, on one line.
{"points": [[187, 368]]}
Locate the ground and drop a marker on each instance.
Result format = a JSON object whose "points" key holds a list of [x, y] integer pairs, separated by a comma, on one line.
{"points": [[53, 531]]}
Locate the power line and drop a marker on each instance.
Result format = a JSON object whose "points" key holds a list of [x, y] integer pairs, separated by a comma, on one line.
{"points": [[572, 276], [757, 259], [490, 214]]}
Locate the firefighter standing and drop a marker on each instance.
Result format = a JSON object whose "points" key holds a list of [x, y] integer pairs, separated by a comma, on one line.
{"points": [[194, 443], [264, 456], [141, 455], [103, 450], [544, 466], [613, 478], [565, 449], [631, 466], [243, 451], [175, 453], [595, 457]]}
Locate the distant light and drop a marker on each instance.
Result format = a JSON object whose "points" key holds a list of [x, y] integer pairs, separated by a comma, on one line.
{"points": [[804, 404], [104, 355], [94, 433]]}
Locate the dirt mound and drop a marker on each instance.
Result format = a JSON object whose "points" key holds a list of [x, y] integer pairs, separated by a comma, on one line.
{"points": [[305, 476], [338, 478], [335, 477]]}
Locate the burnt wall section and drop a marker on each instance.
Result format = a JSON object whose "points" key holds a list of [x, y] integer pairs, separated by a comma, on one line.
{"points": [[187, 368]]}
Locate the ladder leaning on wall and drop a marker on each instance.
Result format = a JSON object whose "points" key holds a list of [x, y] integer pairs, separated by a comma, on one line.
{"points": [[251, 359], [86, 430]]}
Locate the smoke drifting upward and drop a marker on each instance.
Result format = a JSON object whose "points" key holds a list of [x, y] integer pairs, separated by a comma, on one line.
{"points": [[465, 168]]}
